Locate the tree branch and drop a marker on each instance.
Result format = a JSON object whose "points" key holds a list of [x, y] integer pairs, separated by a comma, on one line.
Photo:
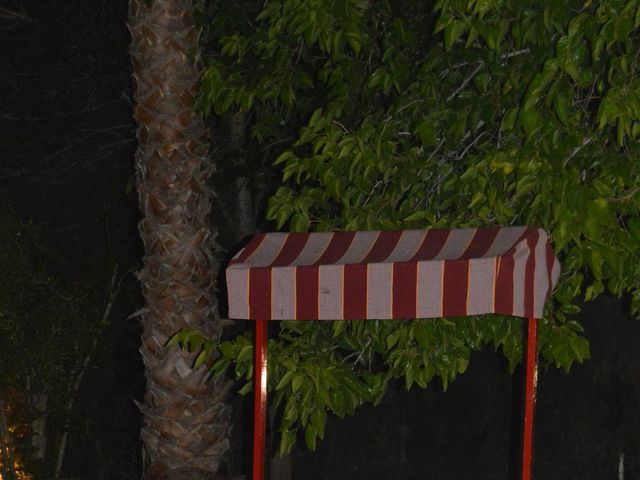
{"points": [[586, 141], [7, 14], [466, 81], [114, 288]]}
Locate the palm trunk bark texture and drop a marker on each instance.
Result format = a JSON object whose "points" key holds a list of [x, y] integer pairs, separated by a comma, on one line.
{"points": [[186, 420]]}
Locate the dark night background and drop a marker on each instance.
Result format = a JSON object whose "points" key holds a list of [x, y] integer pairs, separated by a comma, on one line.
{"points": [[66, 164]]}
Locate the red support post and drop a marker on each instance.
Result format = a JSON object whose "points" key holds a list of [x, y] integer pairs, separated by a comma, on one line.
{"points": [[260, 399], [530, 397]]}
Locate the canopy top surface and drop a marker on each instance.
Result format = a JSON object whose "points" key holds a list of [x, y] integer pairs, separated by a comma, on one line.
{"points": [[393, 274]]}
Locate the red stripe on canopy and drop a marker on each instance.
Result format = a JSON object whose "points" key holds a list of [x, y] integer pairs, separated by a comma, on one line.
{"points": [[251, 247], [455, 286], [337, 247], [551, 262], [432, 244], [405, 276], [260, 293], [291, 249], [383, 247], [503, 294], [482, 241], [355, 291], [529, 273], [307, 292]]}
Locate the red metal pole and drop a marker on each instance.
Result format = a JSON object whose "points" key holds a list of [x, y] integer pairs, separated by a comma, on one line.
{"points": [[260, 399], [530, 397]]}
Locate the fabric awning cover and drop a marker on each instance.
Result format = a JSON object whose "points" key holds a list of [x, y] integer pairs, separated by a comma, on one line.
{"points": [[393, 274]]}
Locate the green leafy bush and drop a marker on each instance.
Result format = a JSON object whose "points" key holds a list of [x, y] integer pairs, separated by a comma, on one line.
{"points": [[414, 114]]}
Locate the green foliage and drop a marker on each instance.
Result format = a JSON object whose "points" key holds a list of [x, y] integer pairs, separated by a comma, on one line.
{"points": [[410, 114], [45, 333], [193, 341]]}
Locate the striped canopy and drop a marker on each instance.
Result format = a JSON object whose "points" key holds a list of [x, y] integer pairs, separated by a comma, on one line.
{"points": [[392, 274]]}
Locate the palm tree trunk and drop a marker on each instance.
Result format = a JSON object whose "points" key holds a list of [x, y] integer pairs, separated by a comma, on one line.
{"points": [[186, 422]]}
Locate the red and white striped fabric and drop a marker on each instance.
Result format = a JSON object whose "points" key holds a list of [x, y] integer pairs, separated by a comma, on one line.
{"points": [[392, 274]]}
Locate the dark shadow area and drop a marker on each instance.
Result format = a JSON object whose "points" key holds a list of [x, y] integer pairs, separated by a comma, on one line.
{"points": [[105, 435], [585, 420], [66, 165], [462, 433]]}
